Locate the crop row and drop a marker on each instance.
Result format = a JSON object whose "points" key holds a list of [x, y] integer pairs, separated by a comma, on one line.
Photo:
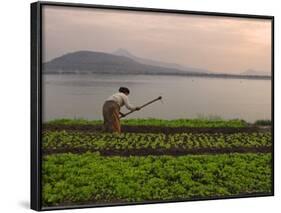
{"points": [[156, 122], [128, 141], [73, 179]]}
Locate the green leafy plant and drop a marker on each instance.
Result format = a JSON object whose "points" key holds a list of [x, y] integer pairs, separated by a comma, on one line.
{"points": [[128, 141], [89, 177], [199, 122]]}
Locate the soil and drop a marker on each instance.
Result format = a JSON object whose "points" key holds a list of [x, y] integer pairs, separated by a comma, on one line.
{"points": [[172, 152], [157, 129]]}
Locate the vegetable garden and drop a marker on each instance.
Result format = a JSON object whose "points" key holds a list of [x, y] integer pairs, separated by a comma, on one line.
{"points": [[209, 159]]}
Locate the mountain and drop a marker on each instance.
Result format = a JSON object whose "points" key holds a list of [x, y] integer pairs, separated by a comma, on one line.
{"points": [[89, 62], [256, 72], [126, 53], [99, 62]]}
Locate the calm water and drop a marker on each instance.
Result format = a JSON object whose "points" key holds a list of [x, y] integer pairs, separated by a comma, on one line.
{"points": [[82, 96]]}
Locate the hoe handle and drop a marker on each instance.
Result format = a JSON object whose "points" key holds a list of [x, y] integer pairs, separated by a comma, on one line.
{"points": [[142, 106]]}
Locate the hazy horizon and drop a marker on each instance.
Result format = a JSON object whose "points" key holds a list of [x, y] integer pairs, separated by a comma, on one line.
{"points": [[218, 44]]}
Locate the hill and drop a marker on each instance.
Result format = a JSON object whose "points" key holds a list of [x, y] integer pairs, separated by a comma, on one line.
{"points": [[99, 62], [90, 62]]}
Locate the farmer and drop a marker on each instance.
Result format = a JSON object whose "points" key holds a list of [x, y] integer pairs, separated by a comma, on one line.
{"points": [[111, 109]]}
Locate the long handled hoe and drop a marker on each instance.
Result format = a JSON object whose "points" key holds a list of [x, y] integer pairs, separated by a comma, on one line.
{"points": [[150, 102]]}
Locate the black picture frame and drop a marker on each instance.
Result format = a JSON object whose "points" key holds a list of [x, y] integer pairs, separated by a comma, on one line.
{"points": [[36, 95]]}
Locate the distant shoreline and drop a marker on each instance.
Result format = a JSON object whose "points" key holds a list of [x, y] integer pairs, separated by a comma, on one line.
{"points": [[206, 75]]}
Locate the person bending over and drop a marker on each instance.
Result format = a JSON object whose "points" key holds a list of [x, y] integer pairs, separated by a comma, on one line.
{"points": [[111, 110]]}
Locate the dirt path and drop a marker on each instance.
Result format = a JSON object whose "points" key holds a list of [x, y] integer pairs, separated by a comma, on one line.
{"points": [[172, 152], [156, 129]]}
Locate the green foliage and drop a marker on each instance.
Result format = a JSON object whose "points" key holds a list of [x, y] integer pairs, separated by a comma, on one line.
{"points": [[202, 122], [92, 178], [128, 141], [186, 122], [263, 122], [70, 122]]}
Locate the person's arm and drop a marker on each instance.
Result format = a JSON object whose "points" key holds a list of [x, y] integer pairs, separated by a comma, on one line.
{"points": [[127, 103]]}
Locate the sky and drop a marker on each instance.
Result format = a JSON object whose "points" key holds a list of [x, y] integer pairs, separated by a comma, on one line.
{"points": [[218, 44]]}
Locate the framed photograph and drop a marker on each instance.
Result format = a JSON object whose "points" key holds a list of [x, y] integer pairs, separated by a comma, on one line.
{"points": [[141, 105]]}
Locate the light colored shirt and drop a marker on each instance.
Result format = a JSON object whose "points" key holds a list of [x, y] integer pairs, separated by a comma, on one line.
{"points": [[121, 99]]}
